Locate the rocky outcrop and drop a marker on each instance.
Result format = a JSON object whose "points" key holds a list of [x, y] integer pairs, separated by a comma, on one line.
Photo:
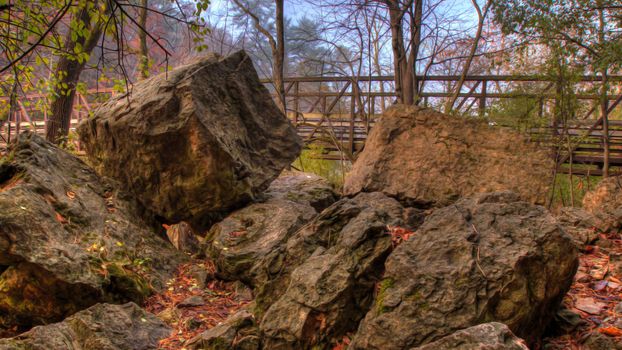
{"points": [[194, 142], [486, 258], [579, 224], [486, 336], [424, 158], [238, 332], [102, 327], [69, 239], [605, 203], [183, 237], [241, 243], [321, 283], [303, 188]]}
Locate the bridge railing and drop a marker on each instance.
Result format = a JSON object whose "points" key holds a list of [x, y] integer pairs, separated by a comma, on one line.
{"points": [[338, 112]]}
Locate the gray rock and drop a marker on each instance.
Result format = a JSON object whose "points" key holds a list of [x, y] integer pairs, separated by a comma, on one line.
{"points": [[238, 332], [323, 284], [195, 300], [102, 327], [240, 243], [605, 202], [194, 142], [423, 157], [486, 258], [69, 239], [303, 188], [486, 336], [579, 225], [597, 341]]}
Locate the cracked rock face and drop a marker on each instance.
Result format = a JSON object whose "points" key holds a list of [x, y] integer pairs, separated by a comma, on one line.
{"points": [[490, 257], [486, 336], [605, 203], [69, 239], [102, 327], [193, 143], [242, 244], [322, 281], [423, 157]]}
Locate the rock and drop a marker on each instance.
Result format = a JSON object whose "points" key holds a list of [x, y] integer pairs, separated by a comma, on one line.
{"points": [[589, 305], [565, 322], [486, 336], [597, 341], [605, 202], [322, 285], [424, 158], [69, 239], [238, 332], [487, 258], [102, 327], [303, 188], [183, 238], [195, 300], [579, 225], [240, 243], [194, 142]]}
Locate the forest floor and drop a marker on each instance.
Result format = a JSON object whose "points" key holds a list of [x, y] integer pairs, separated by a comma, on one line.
{"points": [[593, 306], [194, 303]]}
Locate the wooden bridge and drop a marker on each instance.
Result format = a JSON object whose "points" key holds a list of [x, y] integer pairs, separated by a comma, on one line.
{"points": [[336, 113]]}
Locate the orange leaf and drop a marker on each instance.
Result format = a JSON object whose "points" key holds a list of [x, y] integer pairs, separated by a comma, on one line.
{"points": [[61, 218], [611, 331]]}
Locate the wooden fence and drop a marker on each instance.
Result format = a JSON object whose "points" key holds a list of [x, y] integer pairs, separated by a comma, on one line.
{"points": [[337, 113]]}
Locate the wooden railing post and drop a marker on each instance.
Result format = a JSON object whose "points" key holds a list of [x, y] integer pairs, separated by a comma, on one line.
{"points": [[482, 99], [296, 102], [352, 115]]}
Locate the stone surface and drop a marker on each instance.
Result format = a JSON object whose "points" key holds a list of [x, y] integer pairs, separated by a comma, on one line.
{"points": [[579, 225], [101, 327], [486, 258], [423, 157], [241, 242], [486, 336], [303, 188], [69, 239], [597, 341], [605, 202], [238, 332], [183, 237], [193, 142], [322, 284]]}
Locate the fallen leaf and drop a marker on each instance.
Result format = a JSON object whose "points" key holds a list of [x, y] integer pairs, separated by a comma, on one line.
{"points": [[61, 218], [589, 305], [71, 194], [611, 331]]}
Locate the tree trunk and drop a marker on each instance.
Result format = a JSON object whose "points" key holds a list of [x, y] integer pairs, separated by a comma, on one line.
{"points": [[279, 56], [399, 52], [481, 15], [414, 52], [67, 73], [142, 36]]}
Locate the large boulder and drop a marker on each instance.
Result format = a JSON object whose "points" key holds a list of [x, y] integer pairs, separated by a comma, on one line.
{"points": [[424, 158], [102, 327], [490, 257], [605, 203], [486, 336], [194, 142], [240, 243], [69, 239], [320, 285]]}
